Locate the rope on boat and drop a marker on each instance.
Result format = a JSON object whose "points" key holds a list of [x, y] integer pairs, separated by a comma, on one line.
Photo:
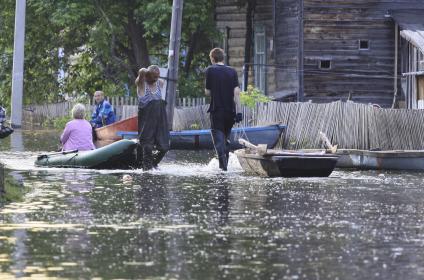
{"points": [[241, 134]]}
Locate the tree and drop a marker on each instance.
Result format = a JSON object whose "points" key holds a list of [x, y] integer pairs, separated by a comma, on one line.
{"points": [[102, 44], [250, 8]]}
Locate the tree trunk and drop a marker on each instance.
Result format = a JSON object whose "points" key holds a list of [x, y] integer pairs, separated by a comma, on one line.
{"points": [[248, 43], [192, 45], [140, 53], [119, 61]]}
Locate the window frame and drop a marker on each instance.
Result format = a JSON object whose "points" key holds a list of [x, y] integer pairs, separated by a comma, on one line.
{"points": [[320, 64], [360, 41], [260, 57]]}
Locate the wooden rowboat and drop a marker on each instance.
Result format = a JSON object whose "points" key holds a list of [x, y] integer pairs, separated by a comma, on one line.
{"points": [[109, 132], [279, 163], [190, 139], [378, 160], [201, 139], [381, 160]]}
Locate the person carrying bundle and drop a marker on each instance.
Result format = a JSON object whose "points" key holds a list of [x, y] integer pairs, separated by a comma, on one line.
{"points": [[152, 118]]}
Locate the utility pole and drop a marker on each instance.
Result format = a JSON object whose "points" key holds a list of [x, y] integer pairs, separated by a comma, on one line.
{"points": [[173, 58], [18, 64], [301, 53]]}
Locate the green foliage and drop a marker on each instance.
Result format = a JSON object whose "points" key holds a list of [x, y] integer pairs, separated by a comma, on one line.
{"points": [[59, 123], [191, 86], [103, 43], [252, 96], [195, 126]]}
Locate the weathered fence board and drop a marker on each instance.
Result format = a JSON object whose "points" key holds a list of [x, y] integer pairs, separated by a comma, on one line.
{"points": [[36, 115], [350, 125], [181, 102]]}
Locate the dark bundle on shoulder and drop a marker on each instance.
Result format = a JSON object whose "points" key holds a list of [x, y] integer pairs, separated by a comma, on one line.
{"points": [[141, 77]]}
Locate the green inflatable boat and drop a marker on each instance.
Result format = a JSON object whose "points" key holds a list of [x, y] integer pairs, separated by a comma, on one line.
{"points": [[118, 155]]}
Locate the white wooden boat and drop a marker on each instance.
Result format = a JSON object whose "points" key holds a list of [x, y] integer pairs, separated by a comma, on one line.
{"points": [[384, 160]]}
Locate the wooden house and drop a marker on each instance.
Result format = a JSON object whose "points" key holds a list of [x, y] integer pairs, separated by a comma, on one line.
{"points": [[326, 50]]}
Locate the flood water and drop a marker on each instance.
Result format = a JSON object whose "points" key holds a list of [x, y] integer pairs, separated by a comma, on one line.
{"points": [[188, 220]]}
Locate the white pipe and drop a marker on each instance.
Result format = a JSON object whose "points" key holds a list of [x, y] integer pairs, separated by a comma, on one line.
{"points": [[18, 64]]}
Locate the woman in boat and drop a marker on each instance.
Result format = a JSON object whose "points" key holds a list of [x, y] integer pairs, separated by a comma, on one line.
{"points": [[78, 133], [152, 119]]}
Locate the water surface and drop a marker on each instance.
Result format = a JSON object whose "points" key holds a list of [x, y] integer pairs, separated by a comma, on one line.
{"points": [[188, 220]]}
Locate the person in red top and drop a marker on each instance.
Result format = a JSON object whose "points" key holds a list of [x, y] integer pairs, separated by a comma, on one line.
{"points": [[222, 86]]}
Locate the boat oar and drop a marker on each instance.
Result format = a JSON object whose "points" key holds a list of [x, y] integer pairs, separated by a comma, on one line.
{"points": [[327, 143], [57, 153], [260, 148]]}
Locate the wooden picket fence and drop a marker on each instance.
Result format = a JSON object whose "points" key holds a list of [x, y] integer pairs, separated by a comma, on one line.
{"points": [[117, 101], [37, 115], [181, 102], [191, 102], [350, 125]]}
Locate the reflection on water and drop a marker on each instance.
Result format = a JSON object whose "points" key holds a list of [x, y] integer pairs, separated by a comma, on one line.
{"points": [[25, 140], [188, 220]]}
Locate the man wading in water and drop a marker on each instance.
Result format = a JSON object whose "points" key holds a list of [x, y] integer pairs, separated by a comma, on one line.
{"points": [[222, 86]]}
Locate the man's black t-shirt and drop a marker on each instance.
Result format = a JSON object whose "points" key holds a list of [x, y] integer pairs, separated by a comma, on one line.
{"points": [[221, 81]]}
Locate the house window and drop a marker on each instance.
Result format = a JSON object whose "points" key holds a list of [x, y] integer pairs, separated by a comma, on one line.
{"points": [[260, 57], [364, 44], [420, 61], [325, 64], [224, 43]]}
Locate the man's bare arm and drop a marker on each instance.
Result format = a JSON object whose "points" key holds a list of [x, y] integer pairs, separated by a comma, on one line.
{"points": [[207, 92]]}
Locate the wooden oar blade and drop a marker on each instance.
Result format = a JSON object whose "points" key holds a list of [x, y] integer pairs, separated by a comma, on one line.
{"points": [[260, 149]]}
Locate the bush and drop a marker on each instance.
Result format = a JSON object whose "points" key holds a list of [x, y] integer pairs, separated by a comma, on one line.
{"points": [[191, 86], [195, 126], [59, 123], [252, 96]]}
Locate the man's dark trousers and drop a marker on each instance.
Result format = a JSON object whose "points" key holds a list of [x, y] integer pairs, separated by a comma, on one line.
{"points": [[153, 133], [221, 125]]}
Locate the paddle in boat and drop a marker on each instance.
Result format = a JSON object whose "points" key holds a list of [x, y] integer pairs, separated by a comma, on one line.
{"points": [[118, 155], [262, 161]]}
